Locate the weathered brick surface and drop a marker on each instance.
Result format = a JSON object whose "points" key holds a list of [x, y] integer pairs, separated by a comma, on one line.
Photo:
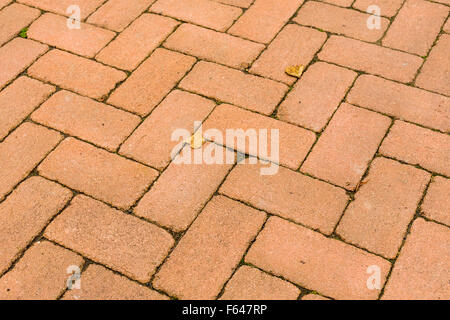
{"points": [[87, 119], [60, 6], [140, 93], [136, 42], [206, 13], [205, 257], [288, 194], [338, 20], [76, 73], [388, 8], [371, 58], [345, 148], [103, 175], [294, 45], [252, 284], [16, 56], [233, 86], [214, 46], [4, 3], [262, 21], [421, 270], [113, 238], [152, 142], [21, 151], [339, 271], [13, 19], [99, 283], [29, 208], [436, 204], [18, 100], [416, 145], [177, 208], [40, 274], [316, 96], [86, 41], [117, 14], [383, 207], [434, 74], [293, 142], [401, 101], [416, 26]]}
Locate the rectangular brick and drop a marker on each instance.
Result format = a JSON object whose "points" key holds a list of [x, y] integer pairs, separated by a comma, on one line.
{"points": [[179, 110], [5, 2], [294, 142], [117, 14], [233, 86], [206, 13], [388, 8], [41, 274], [262, 21], [338, 20], [140, 93], [25, 213], [21, 151], [75, 73], [205, 257], [371, 58], [87, 119], [315, 262], [136, 42], [176, 207], [436, 204], [416, 145], [347, 145], [97, 172], [316, 96], [214, 46], [86, 41], [60, 6], [16, 56], [252, 284], [18, 100], [421, 270], [13, 19], [294, 45], [99, 283], [384, 206], [416, 26], [401, 101], [288, 194], [435, 71], [121, 242]]}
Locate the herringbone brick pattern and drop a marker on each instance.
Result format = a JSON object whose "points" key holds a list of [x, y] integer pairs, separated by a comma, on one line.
{"points": [[87, 180]]}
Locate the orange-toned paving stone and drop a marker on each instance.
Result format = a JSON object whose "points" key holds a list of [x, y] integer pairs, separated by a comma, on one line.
{"points": [[224, 149]]}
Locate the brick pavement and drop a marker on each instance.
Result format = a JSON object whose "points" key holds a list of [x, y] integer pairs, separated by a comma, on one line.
{"points": [[89, 181]]}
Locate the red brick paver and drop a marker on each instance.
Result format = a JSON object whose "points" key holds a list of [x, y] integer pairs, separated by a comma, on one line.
{"points": [[170, 149]]}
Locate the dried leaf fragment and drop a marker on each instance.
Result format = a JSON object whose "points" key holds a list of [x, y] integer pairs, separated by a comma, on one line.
{"points": [[295, 71], [196, 140]]}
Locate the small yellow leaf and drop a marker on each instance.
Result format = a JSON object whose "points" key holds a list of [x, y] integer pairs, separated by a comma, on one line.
{"points": [[295, 71], [196, 140]]}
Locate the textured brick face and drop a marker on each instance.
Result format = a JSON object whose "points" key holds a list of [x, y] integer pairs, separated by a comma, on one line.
{"points": [[206, 256], [60, 6], [18, 100], [13, 18], [345, 148], [388, 8], [121, 242], [436, 204], [371, 58], [229, 85], [103, 175], [339, 271], [421, 270], [29, 208], [384, 206], [288, 194]]}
